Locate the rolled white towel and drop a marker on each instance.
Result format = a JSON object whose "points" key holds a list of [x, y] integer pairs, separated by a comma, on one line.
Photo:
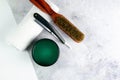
{"points": [[28, 29]]}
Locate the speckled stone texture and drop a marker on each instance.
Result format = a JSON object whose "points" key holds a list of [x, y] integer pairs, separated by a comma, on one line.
{"points": [[20, 8]]}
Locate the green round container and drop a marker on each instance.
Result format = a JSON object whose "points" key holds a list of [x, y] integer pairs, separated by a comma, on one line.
{"points": [[45, 52]]}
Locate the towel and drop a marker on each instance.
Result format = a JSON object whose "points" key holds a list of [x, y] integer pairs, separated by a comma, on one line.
{"points": [[28, 29]]}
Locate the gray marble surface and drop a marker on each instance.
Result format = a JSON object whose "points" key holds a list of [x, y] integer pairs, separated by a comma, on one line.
{"points": [[98, 56]]}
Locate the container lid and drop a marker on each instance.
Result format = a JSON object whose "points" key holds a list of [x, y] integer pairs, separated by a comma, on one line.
{"points": [[45, 52]]}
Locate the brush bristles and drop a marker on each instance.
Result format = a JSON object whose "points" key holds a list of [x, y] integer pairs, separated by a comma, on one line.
{"points": [[69, 28]]}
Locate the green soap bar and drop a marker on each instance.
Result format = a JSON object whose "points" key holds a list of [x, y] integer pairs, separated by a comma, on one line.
{"points": [[45, 52]]}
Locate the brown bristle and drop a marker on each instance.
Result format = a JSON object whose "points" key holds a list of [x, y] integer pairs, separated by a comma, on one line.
{"points": [[68, 28]]}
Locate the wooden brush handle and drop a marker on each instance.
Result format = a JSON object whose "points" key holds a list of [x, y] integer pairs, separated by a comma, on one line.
{"points": [[38, 5], [45, 5]]}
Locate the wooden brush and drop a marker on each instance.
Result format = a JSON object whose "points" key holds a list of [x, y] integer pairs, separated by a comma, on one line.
{"points": [[63, 23]]}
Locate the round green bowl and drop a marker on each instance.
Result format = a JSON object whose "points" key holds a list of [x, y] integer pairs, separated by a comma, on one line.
{"points": [[45, 52]]}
